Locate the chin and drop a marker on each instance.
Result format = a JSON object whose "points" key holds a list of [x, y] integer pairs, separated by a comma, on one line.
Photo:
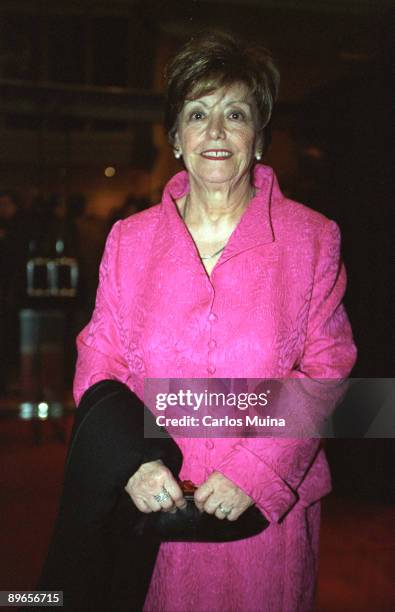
{"points": [[218, 175]]}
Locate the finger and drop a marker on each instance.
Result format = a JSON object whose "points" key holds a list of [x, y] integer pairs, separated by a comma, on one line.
{"points": [[224, 510], [152, 503], [203, 492], [164, 498], [172, 510], [199, 506], [236, 512], [220, 515], [175, 492], [167, 504], [210, 506], [234, 515], [141, 505], [239, 508], [212, 501], [181, 504]]}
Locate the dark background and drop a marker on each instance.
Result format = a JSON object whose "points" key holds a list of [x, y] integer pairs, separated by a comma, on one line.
{"points": [[81, 87]]}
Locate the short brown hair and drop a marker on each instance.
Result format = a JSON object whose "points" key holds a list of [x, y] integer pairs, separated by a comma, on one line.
{"points": [[213, 60]]}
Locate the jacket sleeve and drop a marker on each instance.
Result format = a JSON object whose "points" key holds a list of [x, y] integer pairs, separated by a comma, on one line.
{"points": [[273, 470], [101, 353]]}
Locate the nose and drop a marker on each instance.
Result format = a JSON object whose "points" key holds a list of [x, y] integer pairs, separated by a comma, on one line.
{"points": [[216, 128]]}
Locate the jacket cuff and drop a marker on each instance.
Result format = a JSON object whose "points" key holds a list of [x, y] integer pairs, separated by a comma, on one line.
{"points": [[271, 494]]}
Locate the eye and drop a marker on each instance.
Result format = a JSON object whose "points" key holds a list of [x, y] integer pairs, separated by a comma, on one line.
{"points": [[236, 115], [196, 116]]}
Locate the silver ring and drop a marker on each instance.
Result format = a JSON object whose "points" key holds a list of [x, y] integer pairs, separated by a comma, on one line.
{"points": [[164, 495], [224, 510]]}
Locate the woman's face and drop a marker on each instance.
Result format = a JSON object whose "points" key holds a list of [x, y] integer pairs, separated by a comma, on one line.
{"points": [[217, 134]]}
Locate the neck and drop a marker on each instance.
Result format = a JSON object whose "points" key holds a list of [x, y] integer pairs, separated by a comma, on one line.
{"points": [[216, 204]]}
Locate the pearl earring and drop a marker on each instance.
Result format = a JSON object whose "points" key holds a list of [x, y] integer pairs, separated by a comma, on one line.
{"points": [[258, 156], [177, 153]]}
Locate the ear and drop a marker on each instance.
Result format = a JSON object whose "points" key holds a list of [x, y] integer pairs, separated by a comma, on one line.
{"points": [[259, 147], [259, 143], [176, 146], [176, 140]]}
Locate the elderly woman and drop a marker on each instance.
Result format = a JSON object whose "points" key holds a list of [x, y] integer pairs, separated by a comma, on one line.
{"points": [[226, 277]]}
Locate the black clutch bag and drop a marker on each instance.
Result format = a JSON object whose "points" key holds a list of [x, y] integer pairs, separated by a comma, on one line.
{"points": [[191, 525]]}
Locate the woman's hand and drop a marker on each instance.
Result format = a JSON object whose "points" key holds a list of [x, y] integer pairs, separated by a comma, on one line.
{"points": [[222, 497], [153, 488]]}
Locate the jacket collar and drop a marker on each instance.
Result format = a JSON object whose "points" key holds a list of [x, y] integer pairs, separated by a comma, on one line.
{"points": [[254, 228]]}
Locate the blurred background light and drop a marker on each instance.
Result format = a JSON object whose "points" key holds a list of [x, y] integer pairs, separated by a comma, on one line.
{"points": [[110, 171]]}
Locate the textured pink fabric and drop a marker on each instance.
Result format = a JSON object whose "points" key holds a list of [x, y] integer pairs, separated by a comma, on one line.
{"points": [[271, 308]]}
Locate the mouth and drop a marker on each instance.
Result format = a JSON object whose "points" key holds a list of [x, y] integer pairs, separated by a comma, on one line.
{"points": [[216, 154]]}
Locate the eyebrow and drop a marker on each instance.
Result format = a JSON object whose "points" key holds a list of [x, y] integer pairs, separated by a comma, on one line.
{"points": [[242, 101], [200, 101]]}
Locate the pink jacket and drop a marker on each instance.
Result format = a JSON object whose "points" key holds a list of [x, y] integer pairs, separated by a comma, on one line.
{"points": [[271, 308]]}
